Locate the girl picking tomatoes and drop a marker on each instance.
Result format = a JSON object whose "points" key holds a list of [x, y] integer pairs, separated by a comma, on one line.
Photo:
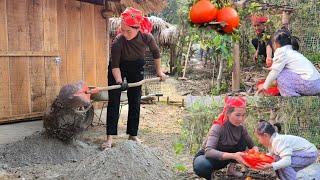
{"points": [[292, 153], [295, 74]]}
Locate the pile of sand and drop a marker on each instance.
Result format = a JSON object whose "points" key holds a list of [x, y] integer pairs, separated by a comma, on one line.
{"points": [[38, 149], [40, 157], [128, 160]]}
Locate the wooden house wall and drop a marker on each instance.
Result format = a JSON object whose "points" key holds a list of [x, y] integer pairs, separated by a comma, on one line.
{"points": [[32, 34]]}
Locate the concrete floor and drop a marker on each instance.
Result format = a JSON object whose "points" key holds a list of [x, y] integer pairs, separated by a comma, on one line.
{"points": [[17, 131]]}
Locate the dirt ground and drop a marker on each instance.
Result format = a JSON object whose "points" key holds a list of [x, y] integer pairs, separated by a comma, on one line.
{"points": [[199, 80]]}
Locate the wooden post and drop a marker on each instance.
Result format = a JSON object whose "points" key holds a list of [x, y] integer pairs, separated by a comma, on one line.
{"points": [[236, 68], [285, 17], [220, 73], [172, 57], [5, 100]]}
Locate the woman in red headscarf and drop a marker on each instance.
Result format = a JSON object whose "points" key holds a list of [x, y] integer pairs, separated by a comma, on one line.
{"points": [[226, 141], [126, 64], [263, 48]]}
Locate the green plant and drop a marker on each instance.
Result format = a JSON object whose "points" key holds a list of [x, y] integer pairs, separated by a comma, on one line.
{"points": [[313, 57], [217, 91], [178, 148], [180, 167]]}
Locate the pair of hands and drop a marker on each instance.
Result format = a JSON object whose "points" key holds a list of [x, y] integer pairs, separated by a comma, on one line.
{"points": [[238, 156], [268, 59], [260, 90], [261, 166], [162, 76], [124, 83]]}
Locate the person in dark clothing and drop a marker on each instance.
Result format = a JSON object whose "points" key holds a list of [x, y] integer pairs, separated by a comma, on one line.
{"points": [[263, 48], [127, 61], [226, 141]]}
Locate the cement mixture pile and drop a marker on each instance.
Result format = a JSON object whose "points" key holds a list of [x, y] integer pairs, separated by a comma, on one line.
{"points": [[39, 157]]}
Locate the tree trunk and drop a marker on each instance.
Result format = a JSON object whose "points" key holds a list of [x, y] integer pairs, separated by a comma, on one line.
{"points": [[213, 72], [173, 58], [180, 46], [201, 54], [206, 58]]}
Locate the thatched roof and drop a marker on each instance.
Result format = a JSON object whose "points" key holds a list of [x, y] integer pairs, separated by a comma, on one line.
{"points": [[118, 6], [164, 32]]}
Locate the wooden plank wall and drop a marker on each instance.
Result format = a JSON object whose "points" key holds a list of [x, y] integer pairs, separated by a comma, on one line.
{"points": [[76, 30], [19, 40], [37, 71], [5, 100]]}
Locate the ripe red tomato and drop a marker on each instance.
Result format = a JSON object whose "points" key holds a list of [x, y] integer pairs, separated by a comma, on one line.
{"points": [[230, 17], [203, 12], [253, 158], [271, 91]]}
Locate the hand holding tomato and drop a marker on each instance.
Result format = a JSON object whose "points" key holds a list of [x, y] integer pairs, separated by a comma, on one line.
{"points": [[255, 148], [254, 158], [263, 166], [269, 61], [260, 90], [238, 157]]}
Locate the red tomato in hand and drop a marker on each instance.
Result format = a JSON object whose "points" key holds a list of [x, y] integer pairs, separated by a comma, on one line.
{"points": [[253, 158]]}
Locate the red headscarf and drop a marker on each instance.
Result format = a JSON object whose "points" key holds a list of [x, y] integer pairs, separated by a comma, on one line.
{"points": [[259, 19], [134, 18], [230, 101]]}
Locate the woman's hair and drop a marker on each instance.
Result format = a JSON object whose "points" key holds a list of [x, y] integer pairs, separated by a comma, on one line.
{"points": [[265, 127], [277, 127], [284, 37], [230, 110]]}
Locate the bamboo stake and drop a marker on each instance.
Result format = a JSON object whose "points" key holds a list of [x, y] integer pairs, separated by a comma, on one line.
{"points": [[219, 78], [186, 62], [236, 68]]}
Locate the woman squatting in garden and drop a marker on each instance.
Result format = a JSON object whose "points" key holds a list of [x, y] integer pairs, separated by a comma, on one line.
{"points": [[226, 141], [263, 47]]}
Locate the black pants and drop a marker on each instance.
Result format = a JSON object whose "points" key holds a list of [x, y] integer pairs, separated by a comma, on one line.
{"points": [[204, 167], [133, 71]]}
